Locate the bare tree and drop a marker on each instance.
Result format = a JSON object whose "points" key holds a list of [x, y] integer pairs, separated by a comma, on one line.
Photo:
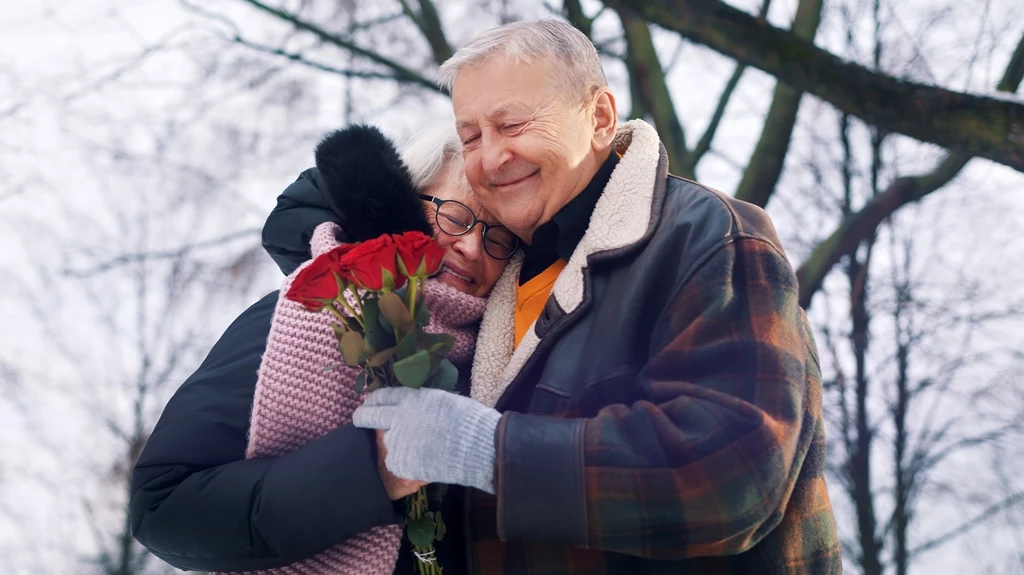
{"points": [[890, 387], [125, 310], [267, 77], [890, 103]]}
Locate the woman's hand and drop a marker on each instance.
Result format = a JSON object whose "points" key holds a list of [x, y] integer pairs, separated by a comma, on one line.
{"points": [[434, 435], [396, 487]]}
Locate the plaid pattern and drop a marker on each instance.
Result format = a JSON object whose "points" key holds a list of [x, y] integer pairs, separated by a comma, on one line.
{"points": [[720, 469]]}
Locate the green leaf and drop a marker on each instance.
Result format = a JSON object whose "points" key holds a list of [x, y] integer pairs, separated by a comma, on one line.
{"points": [[351, 347], [401, 268], [421, 531], [339, 329], [352, 324], [440, 527], [444, 344], [385, 324], [360, 382], [414, 370], [406, 347], [375, 335], [387, 280], [393, 309], [381, 357], [422, 316], [447, 377], [425, 340], [402, 292]]}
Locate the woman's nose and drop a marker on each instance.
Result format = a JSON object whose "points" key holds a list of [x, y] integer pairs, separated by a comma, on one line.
{"points": [[470, 245]]}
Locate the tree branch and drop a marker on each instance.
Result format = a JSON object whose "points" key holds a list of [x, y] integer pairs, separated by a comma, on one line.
{"points": [[300, 59], [429, 24], [573, 12], [649, 92], [130, 258], [765, 166], [863, 223], [716, 118], [401, 73], [965, 123], [704, 144], [985, 515]]}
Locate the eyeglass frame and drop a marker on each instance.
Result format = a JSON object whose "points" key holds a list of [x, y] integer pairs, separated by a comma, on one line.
{"points": [[438, 202]]}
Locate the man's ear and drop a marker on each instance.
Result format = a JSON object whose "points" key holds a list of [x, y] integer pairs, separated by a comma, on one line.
{"points": [[606, 119]]}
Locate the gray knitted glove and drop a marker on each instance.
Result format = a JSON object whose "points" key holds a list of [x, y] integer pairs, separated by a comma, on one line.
{"points": [[433, 435]]}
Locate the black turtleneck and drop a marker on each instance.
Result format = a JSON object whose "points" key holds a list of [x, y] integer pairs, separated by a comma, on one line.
{"points": [[558, 238]]}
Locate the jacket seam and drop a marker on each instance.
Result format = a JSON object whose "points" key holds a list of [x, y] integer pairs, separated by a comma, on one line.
{"points": [[579, 437]]}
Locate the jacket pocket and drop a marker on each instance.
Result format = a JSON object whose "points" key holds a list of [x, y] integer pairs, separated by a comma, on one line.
{"points": [[622, 388]]}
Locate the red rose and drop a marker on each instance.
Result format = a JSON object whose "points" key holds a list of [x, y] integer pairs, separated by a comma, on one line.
{"points": [[372, 264], [317, 284], [419, 255]]}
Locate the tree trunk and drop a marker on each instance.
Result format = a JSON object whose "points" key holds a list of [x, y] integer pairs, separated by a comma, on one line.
{"points": [[900, 512], [769, 157], [860, 459], [650, 94]]}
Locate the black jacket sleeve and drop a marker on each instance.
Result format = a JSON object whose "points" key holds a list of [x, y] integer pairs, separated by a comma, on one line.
{"points": [[299, 210], [198, 504]]}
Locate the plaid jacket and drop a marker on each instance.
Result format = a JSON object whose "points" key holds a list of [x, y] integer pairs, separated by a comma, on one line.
{"points": [[663, 415]]}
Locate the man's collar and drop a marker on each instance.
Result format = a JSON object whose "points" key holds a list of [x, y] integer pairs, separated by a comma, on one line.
{"points": [[558, 238]]}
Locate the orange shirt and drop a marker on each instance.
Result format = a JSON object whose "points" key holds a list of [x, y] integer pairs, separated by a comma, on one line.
{"points": [[531, 297]]}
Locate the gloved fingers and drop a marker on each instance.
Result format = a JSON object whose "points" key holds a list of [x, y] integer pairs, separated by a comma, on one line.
{"points": [[374, 416]]}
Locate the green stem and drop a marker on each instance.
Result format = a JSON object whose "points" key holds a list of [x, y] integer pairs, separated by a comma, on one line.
{"points": [[348, 307], [343, 318], [418, 505], [413, 289], [359, 302]]}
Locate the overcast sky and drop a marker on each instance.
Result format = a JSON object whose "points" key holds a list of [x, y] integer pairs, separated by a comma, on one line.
{"points": [[99, 157]]}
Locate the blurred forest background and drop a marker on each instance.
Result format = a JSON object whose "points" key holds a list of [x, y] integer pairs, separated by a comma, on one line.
{"points": [[142, 144]]}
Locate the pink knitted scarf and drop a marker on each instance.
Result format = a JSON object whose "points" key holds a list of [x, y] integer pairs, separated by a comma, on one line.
{"points": [[297, 401]]}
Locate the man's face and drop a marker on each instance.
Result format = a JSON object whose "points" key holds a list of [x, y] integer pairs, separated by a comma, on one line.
{"points": [[528, 148]]}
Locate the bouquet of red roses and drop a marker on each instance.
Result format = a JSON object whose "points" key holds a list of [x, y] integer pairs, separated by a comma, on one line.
{"points": [[373, 289]]}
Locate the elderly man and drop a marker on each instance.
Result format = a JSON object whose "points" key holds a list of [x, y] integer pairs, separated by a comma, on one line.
{"points": [[646, 391]]}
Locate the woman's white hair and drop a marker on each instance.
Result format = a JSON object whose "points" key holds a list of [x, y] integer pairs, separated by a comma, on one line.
{"points": [[435, 152], [579, 66]]}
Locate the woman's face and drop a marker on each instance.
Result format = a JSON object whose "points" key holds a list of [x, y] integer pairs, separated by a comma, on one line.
{"points": [[467, 267]]}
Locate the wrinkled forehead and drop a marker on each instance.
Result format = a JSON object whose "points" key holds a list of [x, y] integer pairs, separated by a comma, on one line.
{"points": [[493, 90]]}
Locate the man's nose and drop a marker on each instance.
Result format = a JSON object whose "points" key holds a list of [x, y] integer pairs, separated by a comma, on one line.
{"points": [[495, 155]]}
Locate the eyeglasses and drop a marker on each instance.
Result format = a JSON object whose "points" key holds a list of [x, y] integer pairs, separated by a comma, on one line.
{"points": [[456, 219]]}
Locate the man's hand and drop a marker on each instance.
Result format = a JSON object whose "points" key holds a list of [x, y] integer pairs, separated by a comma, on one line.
{"points": [[396, 486], [433, 435]]}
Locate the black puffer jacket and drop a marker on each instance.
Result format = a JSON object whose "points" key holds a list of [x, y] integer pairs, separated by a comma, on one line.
{"points": [[198, 504]]}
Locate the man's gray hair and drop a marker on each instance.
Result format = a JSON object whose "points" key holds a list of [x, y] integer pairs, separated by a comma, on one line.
{"points": [[435, 152], [579, 66]]}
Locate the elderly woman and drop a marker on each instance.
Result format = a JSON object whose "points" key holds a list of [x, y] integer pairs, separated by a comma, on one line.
{"points": [[196, 501]]}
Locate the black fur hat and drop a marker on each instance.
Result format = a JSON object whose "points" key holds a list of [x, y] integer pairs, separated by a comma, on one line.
{"points": [[367, 184]]}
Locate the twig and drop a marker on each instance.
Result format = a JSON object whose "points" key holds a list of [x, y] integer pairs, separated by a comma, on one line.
{"points": [[300, 59], [991, 510], [130, 258], [402, 74]]}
